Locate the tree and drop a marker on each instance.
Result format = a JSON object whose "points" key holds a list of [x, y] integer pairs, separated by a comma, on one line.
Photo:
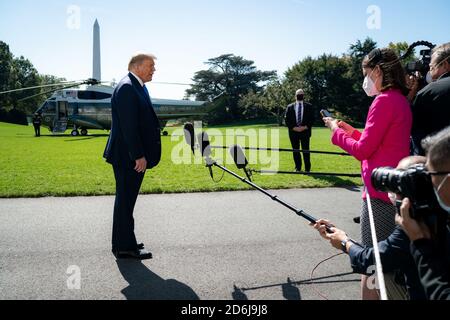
{"points": [[400, 49], [24, 75], [6, 61], [358, 101], [325, 80], [232, 76], [17, 73]]}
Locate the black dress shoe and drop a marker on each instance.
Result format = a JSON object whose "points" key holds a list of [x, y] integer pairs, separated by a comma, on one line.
{"points": [[139, 247], [139, 254]]}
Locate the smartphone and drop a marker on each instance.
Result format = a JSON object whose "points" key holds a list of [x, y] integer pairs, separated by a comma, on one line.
{"points": [[326, 113]]}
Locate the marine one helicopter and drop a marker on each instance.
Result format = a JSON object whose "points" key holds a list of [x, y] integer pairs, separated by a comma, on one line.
{"points": [[84, 105], [90, 108]]}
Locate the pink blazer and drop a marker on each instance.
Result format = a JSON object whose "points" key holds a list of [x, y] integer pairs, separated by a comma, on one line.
{"points": [[385, 140]]}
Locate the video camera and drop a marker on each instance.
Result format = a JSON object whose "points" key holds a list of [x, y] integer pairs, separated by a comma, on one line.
{"points": [[413, 183], [421, 66]]}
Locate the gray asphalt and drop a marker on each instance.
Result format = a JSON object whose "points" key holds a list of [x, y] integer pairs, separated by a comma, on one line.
{"points": [[216, 246]]}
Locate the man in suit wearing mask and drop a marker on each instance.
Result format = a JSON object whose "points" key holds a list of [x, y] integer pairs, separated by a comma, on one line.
{"points": [[134, 146], [299, 119]]}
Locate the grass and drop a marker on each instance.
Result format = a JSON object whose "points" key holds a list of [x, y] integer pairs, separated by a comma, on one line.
{"points": [[73, 166]]}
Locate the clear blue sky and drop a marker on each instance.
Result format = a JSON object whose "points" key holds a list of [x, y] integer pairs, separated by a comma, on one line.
{"points": [[183, 34]]}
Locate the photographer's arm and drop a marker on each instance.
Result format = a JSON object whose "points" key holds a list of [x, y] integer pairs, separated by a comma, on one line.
{"points": [[394, 251], [431, 266]]}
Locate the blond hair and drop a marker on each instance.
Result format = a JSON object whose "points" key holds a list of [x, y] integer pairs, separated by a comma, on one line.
{"points": [[138, 59]]}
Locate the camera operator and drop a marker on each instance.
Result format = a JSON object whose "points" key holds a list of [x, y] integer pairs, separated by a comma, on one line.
{"points": [[430, 108], [394, 251], [433, 266]]}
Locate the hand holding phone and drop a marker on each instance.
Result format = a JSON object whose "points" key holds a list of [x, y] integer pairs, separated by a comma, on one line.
{"points": [[326, 113]]}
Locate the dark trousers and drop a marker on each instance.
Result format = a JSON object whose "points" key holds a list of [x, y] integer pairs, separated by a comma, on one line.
{"points": [[37, 130], [128, 183], [303, 139]]}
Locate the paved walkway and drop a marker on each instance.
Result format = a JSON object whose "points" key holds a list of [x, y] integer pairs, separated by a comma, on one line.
{"points": [[228, 245]]}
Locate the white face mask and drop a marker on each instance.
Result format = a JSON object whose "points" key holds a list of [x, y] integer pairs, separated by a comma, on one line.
{"points": [[429, 78], [369, 86], [441, 202]]}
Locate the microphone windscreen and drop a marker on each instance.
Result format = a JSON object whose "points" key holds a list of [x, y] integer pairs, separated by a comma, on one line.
{"points": [[238, 156], [189, 135], [204, 143]]}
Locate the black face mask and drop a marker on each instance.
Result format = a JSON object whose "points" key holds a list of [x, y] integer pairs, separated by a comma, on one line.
{"points": [[300, 97]]}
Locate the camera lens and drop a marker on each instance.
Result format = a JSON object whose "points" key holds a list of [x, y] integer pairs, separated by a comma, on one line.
{"points": [[387, 179]]}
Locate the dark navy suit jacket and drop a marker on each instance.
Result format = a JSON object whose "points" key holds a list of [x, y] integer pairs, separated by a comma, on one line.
{"points": [[135, 130], [308, 118]]}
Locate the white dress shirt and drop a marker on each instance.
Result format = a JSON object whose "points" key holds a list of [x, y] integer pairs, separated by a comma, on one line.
{"points": [[139, 79]]}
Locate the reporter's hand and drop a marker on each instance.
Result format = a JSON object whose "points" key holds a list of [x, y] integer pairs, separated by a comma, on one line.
{"points": [[141, 165], [331, 123], [321, 226], [346, 127], [337, 235], [413, 85], [414, 229]]}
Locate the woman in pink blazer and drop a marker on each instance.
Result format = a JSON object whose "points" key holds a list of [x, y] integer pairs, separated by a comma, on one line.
{"points": [[383, 143]]}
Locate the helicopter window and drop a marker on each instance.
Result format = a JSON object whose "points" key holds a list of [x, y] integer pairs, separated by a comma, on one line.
{"points": [[49, 107], [93, 95]]}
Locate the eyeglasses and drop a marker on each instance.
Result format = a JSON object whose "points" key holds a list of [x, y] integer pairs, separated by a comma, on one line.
{"points": [[437, 66], [446, 174], [438, 173]]}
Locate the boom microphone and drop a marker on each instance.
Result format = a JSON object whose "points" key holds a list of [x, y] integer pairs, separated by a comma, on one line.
{"points": [[203, 140], [240, 159], [241, 163], [189, 135]]}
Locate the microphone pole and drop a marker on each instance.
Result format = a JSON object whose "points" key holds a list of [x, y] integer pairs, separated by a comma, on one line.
{"points": [[349, 175], [288, 150], [299, 212], [237, 153]]}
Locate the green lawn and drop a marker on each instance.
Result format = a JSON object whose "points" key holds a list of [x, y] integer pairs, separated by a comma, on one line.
{"points": [[73, 166]]}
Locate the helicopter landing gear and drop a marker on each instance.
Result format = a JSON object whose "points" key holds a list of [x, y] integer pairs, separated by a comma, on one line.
{"points": [[74, 133], [84, 132]]}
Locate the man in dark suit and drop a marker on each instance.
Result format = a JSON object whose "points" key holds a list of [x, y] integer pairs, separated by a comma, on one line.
{"points": [[299, 119], [37, 120], [134, 145], [431, 107]]}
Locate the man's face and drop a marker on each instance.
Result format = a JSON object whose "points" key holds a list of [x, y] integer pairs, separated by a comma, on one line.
{"points": [[437, 69], [441, 183], [146, 70]]}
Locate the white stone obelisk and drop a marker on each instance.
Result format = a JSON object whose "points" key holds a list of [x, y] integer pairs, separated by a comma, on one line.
{"points": [[96, 65]]}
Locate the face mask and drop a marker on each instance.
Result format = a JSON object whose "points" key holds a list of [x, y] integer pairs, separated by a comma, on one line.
{"points": [[429, 78], [369, 86], [300, 97], [441, 203]]}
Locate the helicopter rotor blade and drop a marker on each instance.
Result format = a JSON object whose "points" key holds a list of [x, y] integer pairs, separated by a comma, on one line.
{"points": [[173, 83], [51, 91], [42, 86]]}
